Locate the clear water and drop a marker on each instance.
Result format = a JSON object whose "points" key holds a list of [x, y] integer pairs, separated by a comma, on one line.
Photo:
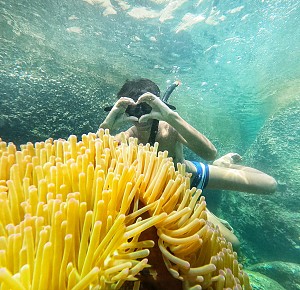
{"points": [[232, 57], [61, 62]]}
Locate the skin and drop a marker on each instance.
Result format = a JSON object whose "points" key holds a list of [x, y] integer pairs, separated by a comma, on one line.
{"points": [[174, 133]]}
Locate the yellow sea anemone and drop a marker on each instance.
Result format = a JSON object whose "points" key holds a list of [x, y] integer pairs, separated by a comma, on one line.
{"points": [[73, 215]]}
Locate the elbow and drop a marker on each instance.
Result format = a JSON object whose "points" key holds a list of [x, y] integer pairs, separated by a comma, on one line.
{"points": [[103, 126], [214, 154], [272, 185]]}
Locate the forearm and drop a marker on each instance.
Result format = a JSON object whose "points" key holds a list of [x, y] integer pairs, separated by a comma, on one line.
{"points": [[192, 138], [108, 126], [111, 123]]}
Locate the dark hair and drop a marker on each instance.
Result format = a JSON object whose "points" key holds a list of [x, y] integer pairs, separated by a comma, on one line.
{"points": [[135, 88]]}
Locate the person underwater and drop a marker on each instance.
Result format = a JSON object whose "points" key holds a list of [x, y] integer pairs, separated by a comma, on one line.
{"points": [[153, 119]]}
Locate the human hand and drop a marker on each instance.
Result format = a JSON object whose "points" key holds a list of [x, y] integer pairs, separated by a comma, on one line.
{"points": [[160, 111], [117, 116]]}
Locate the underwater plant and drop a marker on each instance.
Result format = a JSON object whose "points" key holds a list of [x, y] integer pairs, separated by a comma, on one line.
{"points": [[73, 215]]}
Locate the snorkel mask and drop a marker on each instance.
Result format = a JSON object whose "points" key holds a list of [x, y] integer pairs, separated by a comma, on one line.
{"points": [[139, 110], [143, 108]]}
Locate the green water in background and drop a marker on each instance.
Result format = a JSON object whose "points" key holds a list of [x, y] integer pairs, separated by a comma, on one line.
{"points": [[61, 62], [70, 57]]}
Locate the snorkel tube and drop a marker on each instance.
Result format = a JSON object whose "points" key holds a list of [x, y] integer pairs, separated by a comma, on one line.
{"points": [[165, 97], [169, 91]]}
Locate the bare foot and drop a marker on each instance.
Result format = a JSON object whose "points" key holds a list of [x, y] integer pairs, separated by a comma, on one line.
{"points": [[226, 224], [226, 160]]}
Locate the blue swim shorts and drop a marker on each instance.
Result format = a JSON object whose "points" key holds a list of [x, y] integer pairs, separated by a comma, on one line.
{"points": [[202, 175]]}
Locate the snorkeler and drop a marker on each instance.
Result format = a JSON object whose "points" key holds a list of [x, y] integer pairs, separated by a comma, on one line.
{"points": [[154, 120]]}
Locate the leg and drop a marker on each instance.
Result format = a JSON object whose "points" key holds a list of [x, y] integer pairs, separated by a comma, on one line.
{"points": [[229, 161], [240, 178], [228, 234]]}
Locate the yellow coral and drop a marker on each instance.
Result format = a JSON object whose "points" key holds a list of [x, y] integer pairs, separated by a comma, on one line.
{"points": [[71, 218]]}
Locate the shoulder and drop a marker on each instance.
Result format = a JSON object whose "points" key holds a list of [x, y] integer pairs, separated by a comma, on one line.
{"points": [[166, 130], [168, 140], [165, 125]]}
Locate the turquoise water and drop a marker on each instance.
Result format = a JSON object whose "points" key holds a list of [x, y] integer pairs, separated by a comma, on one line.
{"points": [[232, 58], [61, 62]]}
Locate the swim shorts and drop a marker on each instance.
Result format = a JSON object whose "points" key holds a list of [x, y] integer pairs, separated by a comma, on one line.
{"points": [[202, 175]]}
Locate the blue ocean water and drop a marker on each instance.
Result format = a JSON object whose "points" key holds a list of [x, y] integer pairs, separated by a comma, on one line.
{"points": [[61, 62]]}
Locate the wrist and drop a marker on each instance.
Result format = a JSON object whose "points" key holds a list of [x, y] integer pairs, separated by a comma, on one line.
{"points": [[172, 117]]}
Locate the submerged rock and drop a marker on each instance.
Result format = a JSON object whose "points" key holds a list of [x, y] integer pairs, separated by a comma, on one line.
{"points": [[262, 282], [268, 225], [287, 274]]}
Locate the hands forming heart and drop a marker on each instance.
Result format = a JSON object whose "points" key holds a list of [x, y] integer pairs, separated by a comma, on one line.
{"points": [[147, 107], [160, 110]]}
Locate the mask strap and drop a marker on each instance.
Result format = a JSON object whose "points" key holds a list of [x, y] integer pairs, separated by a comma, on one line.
{"points": [[153, 132]]}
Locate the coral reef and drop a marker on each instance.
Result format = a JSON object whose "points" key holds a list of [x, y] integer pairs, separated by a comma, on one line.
{"points": [[73, 216]]}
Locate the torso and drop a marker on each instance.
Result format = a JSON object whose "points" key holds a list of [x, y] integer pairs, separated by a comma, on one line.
{"points": [[167, 137]]}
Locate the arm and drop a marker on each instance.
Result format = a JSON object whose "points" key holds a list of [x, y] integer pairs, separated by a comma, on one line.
{"points": [[244, 179], [188, 135], [192, 138]]}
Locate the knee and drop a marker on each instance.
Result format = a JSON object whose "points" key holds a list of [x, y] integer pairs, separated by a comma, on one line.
{"points": [[231, 238], [272, 186], [235, 243]]}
